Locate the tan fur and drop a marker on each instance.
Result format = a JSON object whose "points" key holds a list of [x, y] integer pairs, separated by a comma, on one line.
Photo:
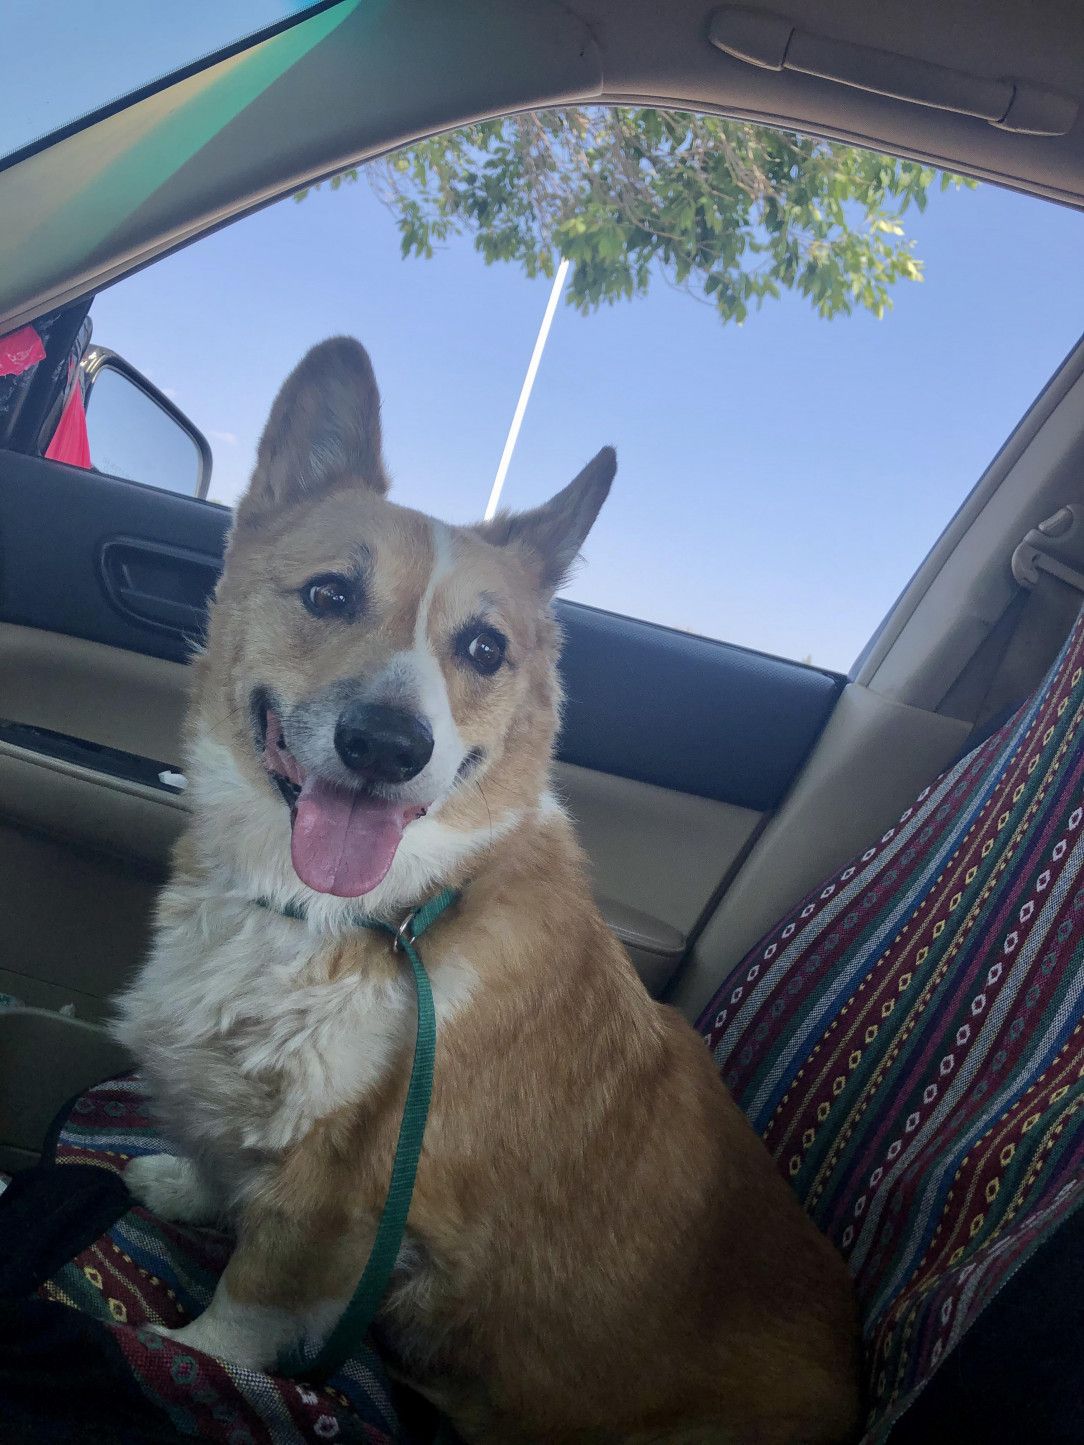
{"points": [[601, 1249]]}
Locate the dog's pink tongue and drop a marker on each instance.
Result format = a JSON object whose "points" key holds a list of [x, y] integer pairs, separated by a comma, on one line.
{"points": [[344, 843]]}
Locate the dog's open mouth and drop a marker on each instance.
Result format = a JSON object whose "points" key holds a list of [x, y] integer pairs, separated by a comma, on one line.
{"points": [[343, 840]]}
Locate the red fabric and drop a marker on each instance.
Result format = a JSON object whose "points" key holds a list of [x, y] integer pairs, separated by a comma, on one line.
{"points": [[19, 351], [70, 443]]}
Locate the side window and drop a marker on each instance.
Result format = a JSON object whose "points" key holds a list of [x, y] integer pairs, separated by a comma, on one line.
{"points": [[804, 353]]}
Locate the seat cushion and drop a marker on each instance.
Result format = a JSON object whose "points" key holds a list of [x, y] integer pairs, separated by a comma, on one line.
{"points": [[908, 1041]]}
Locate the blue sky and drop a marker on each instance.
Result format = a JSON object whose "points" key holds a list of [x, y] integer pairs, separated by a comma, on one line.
{"points": [[778, 483]]}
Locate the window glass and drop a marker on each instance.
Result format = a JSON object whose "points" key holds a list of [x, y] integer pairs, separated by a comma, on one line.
{"points": [[779, 480], [66, 58]]}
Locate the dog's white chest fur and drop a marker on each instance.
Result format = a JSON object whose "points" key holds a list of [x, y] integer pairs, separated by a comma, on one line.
{"points": [[246, 1043]]}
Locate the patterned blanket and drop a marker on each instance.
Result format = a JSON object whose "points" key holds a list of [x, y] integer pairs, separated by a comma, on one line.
{"points": [[909, 1041]]}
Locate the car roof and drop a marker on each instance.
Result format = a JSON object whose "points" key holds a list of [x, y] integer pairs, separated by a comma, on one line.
{"points": [[364, 76]]}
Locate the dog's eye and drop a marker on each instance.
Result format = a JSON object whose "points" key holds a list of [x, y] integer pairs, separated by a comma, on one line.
{"points": [[330, 595], [484, 649]]}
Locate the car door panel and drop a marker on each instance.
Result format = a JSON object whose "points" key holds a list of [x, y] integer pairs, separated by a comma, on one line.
{"points": [[673, 747], [76, 920], [655, 852], [642, 701], [684, 712], [62, 584]]}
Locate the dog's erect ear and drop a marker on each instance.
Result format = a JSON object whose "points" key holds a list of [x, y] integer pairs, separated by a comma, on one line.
{"points": [[555, 532], [324, 426]]}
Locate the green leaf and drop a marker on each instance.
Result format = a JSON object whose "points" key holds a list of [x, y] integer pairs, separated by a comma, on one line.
{"points": [[734, 211]]}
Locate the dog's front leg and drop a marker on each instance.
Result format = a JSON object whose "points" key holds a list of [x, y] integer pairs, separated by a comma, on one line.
{"points": [[172, 1187], [286, 1284]]}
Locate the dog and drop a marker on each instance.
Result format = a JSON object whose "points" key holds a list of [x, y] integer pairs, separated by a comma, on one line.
{"points": [[599, 1249]]}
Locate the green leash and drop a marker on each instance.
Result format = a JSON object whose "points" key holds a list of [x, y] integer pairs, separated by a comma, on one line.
{"points": [[361, 1311]]}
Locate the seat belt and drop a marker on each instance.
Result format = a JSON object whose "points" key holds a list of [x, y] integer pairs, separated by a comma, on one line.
{"points": [[1048, 566]]}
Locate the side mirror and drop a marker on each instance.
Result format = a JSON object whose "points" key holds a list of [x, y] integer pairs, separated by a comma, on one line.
{"points": [[136, 432]]}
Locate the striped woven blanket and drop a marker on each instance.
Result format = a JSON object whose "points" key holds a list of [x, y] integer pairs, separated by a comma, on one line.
{"points": [[909, 1042]]}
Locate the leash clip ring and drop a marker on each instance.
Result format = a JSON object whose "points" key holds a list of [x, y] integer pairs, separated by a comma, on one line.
{"points": [[404, 934]]}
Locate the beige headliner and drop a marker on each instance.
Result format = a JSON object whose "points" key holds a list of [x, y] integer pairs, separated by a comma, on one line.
{"points": [[395, 71]]}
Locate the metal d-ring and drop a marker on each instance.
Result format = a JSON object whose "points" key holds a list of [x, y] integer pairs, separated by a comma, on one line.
{"points": [[404, 934]]}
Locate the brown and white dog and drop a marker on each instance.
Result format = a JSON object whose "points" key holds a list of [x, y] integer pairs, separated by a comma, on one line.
{"points": [[599, 1248]]}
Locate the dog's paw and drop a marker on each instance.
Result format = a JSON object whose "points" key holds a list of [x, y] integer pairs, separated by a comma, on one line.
{"points": [[207, 1335], [170, 1187], [255, 1337]]}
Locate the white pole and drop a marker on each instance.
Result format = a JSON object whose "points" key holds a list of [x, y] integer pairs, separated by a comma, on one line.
{"points": [[525, 390]]}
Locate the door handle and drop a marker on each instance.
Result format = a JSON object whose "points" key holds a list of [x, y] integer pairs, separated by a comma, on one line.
{"points": [[157, 585]]}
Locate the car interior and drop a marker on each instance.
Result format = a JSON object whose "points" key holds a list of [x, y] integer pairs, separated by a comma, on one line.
{"points": [[708, 801]]}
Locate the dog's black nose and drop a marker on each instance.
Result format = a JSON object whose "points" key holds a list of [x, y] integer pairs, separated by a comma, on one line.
{"points": [[383, 744]]}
